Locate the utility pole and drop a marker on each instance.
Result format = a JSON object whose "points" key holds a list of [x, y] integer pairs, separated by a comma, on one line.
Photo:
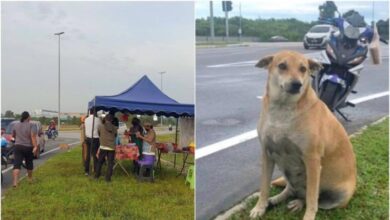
{"points": [[212, 34], [161, 83], [161, 86], [227, 25], [240, 28], [226, 7], [59, 77], [373, 19]]}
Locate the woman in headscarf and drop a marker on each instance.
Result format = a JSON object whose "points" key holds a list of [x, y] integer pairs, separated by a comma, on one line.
{"points": [[135, 128], [149, 138]]}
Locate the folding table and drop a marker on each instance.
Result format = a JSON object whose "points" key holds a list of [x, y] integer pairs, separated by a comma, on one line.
{"points": [[125, 152]]}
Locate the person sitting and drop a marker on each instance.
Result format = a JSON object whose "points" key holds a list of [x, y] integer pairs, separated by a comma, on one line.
{"points": [[149, 138], [107, 134], [4, 143]]}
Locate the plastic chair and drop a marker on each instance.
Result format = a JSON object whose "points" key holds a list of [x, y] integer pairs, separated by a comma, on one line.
{"points": [[145, 167], [191, 177]]}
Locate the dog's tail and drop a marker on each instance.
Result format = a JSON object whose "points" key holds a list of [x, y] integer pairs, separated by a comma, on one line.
{"points": [[330, 199]]}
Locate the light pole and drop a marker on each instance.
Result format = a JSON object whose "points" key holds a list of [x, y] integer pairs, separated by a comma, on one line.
{"points": [[212, 33], [59, 77], [240, 28], [161, 83], [161, 86]]}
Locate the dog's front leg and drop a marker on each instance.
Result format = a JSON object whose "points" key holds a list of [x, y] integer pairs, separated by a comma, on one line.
{"points": [[313, 172], [266, 174]]}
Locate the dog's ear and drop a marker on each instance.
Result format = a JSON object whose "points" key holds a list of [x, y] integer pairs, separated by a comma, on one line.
{"points": [[264, 62], [314, 66]]}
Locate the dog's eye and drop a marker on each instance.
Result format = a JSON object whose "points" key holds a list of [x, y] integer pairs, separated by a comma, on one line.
{"points": [[302, 69], [282, 66]]}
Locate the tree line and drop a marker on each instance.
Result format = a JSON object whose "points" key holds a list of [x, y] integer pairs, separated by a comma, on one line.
{"points": [[77, 121], [264, 29]]}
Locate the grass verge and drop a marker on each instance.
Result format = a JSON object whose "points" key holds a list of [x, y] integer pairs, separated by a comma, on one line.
{"points": [[371, 199], [61, 191]]}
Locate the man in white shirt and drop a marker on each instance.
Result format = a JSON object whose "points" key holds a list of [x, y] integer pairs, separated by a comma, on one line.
{"points": [[92, 140]]}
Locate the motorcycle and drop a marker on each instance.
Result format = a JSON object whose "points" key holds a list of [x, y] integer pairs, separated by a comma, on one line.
{"points": [[51, 134], [342, 62]]}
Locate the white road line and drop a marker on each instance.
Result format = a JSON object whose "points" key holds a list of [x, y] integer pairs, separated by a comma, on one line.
{"points": [[250, 62], [47, 152], [369, 97], [6, 170], [57, 148], [230, 142], [243, 63], [213, 148], [259, 97]]}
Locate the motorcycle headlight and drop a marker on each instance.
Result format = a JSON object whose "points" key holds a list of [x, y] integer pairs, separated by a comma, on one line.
{"points": [[357, 60], [330, 51]]}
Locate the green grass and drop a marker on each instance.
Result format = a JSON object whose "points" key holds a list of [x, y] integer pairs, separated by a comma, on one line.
{"points": [[371, 199], [61, 191]]}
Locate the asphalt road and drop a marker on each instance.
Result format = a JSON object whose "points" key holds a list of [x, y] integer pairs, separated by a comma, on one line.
{"points": [[227, 104], [50, 150]]}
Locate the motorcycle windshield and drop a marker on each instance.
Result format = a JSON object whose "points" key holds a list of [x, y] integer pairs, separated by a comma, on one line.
{"points": [[346, 49], [320, 57]]}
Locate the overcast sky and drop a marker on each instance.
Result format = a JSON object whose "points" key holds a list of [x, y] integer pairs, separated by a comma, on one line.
{"points": [[301, 10], [107, 46]]}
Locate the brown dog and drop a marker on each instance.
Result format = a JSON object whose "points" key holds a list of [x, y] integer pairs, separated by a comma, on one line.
{"points": [[304, 139]]}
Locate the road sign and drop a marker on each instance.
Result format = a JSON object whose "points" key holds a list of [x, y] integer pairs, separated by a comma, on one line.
{"points": [[227, 6]]}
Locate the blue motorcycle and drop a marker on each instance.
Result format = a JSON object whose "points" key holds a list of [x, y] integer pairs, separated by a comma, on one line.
{"points": [[342, 60], [52, 134]]}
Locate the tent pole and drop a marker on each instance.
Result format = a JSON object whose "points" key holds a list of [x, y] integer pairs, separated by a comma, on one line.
{"points": [[177, 125], [177, 128]]}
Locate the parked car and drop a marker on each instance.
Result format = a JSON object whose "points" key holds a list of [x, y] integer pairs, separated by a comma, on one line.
{"points": [[5, 122], [318, 35], [40, 137], [278, 38]]}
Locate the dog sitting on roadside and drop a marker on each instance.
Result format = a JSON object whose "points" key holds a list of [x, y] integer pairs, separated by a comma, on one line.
{"points": [[304, 139]]}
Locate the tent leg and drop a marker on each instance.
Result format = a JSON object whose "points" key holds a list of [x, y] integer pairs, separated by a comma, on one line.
{"points": [[177, 129]]}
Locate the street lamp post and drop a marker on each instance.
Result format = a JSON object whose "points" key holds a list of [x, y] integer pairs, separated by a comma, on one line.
{"points": [[59, 77], [212, 33], [161, 86]]}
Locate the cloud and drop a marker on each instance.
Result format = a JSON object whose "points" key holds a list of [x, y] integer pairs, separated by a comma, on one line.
{"points": [[302, 10], [105, 48]]}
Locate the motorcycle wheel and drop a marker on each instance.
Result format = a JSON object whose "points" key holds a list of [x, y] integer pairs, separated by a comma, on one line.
{"points": [[329, 95]]}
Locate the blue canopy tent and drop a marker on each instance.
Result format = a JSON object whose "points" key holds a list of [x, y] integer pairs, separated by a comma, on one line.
{"points": [[142, 98]]}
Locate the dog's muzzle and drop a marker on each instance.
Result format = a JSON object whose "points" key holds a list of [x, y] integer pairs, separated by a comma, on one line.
{"points": [[294, 87]]}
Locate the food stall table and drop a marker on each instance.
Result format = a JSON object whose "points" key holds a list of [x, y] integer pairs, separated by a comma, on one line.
{"points": [[125, 152]]}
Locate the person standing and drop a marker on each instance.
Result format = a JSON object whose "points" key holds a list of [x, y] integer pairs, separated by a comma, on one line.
{"points": [[107, 135], [82, 139], [92, 140], [136, 128], [25, 135]]}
